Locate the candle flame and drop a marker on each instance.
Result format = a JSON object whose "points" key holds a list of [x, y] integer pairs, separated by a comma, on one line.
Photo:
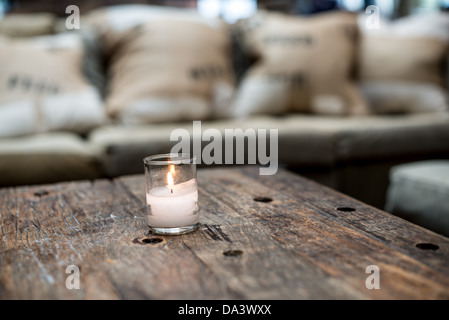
{"points": [[170, 175], [170, 180]]}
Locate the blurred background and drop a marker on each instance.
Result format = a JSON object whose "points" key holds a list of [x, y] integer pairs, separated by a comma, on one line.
{"points": [[231, 10]]}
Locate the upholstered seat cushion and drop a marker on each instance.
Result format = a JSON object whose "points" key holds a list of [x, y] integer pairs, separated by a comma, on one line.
{"points": [[419, 192], [383, 137], [299, 142], [303, 140], [45, 158]]}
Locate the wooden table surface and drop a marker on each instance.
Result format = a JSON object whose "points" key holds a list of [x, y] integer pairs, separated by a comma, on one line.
{"points": [[261, 237]]}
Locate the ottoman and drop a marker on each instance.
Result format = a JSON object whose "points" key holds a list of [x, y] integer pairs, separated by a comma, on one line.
{"points": [[419, 192]]}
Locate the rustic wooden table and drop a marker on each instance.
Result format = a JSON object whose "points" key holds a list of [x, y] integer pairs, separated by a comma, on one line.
{"points": [[261, 237]]}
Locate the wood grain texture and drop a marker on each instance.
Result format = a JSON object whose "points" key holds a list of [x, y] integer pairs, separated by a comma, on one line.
{"points": [[299, 245]]}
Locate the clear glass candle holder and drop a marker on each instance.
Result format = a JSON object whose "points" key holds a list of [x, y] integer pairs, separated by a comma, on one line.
{"points": [[171, 193]]}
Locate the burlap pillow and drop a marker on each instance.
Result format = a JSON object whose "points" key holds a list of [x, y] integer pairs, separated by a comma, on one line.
{"points": [[42, 87], [112, 21], [164, 64], [305, 65], [402, 64], [390, 57]]}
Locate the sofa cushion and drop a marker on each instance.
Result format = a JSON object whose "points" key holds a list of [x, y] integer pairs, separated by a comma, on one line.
{"points": [[304, 65], [165, 64], [48, 92], [300, 141], [395, 97], [47, 157], [303, 140], [401, 65], [419, 192], [387, 137], [112, 21], [410, 59]]}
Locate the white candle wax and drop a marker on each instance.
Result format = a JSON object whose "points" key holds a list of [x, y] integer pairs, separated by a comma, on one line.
{"points": [[173, 209]]}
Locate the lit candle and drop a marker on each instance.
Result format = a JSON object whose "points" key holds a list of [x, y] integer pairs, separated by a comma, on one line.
{"points": [[171, 193], [173, 205]]}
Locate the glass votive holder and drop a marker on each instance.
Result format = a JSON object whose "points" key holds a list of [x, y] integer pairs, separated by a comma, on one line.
{"points": [[171, 193]]}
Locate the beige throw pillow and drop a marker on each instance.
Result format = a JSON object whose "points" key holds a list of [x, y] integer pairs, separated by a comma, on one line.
{"points": [[165, 64], [402, 64], [390, 57], [304, 64], [42, 87]]}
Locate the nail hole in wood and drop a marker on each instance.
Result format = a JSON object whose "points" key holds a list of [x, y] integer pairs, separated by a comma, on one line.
{"points": [[345, 209], [148, 240], [152, 240], [232, 253], [427, 246], [41, 193], [263, 199]]}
